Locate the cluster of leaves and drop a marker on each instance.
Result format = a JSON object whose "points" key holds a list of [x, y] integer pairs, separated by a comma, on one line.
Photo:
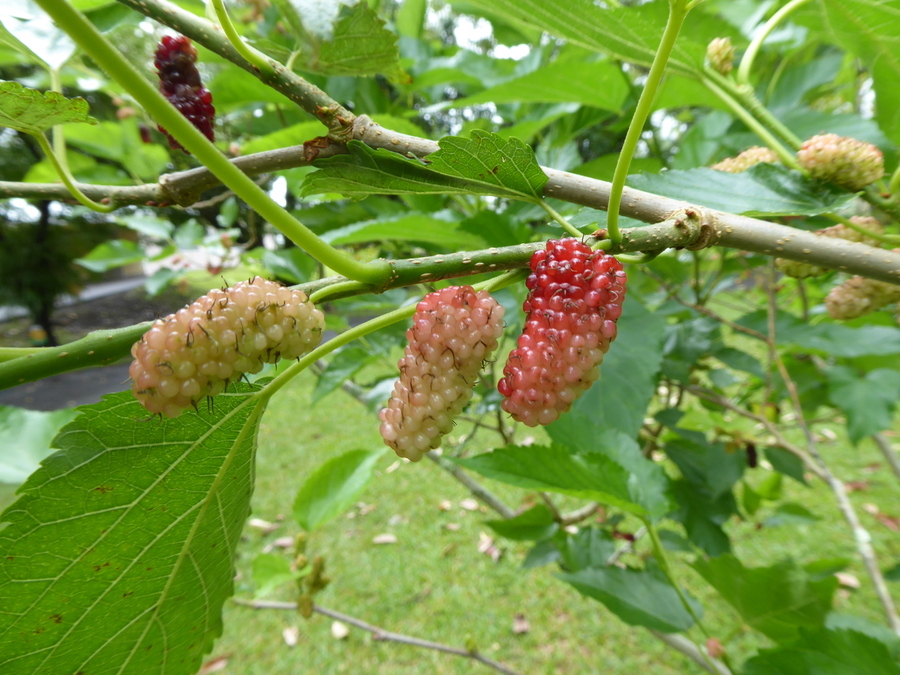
{"points": [[144, 532]]}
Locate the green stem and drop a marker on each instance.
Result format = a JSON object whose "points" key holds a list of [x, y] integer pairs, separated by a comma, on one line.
{"points": [[566, 225], [745, 95], [891, 239], [59, 137], [342, 288], [677, 13], [62, 171], [369, 326], [108, 58], [787, 158], [743, 73], [894, 184], [10, 353], [660, 554], [260, 61]]}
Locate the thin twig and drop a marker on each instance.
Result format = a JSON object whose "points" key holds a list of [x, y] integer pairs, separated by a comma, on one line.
{"points": [[577, 515], [885, 446], [381, 634], [692, 651], [477, 489], [860, 534]]}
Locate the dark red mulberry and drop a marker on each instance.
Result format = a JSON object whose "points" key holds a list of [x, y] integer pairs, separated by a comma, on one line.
{"points": [[179, 81]]}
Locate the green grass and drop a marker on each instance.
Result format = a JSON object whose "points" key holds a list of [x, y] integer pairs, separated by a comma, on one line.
{"points": [[434, 584]]}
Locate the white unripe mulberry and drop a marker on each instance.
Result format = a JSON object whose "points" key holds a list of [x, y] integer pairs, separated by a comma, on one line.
{"points": [[847, 162], [454, 331], [197, 351], [749, 157]]}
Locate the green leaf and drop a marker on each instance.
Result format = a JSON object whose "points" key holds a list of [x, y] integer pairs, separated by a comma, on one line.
{"points": [[111, 254], [619, 399], [867, 401], [792, 514], [706, 464], [764, 190], [291, 264], [148, 225], [502, 167], [361, 46], [334, 487], [703, 516], [25, 439], [31, 112], [832, 339], [590, 547], [120, 142], [597, 84], [484, 164], [440, 229], [786, 463], [366, 171], [532, 525], [271, 571], [346, 363], [777, 600], [638, 597], [119, 552], [296, 134], [555, 469], [626, 33], [829, 652], [871, 30]]}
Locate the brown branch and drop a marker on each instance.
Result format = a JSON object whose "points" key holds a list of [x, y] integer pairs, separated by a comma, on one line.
{"points": [[884, 445], [381, 634]]}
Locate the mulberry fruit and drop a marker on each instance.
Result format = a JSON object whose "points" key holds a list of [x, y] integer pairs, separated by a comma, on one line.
{"points": [[801, 270], [847, 162], [454, 330], [198, 350], [859, 296], [748, 158], [575, 298], [720, 54], [179, 81]]}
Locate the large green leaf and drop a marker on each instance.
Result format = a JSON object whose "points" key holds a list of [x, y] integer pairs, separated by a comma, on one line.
{"points": [[504, 167], [638, 597], [118, 554], [626, 33], [334, 487], [599, 84], [365, 171], [121, 142], [484, 164], [825, 651], [361, 45], [867, 401], [111, 254], [554, 468], [532, 525], [703, 516], [777, 600], [26, 438], [33, 112], [765, 190], [871, 30], [703, 463]]}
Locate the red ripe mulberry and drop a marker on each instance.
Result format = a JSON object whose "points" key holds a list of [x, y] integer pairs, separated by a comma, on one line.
{"points": [[575, 299]]}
